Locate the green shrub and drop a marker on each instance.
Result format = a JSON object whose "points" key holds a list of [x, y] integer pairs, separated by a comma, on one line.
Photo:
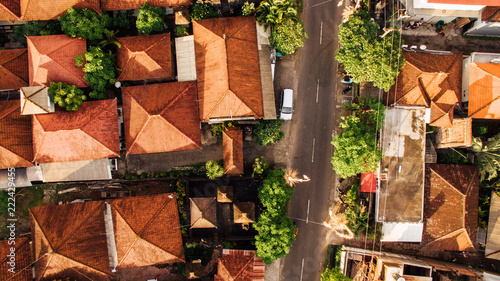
{"points": [[248, 9], [260, 166], [333, 274], [218, 128], [150, 19], [214, 169], [99, 71], [288, 36], [124, 20], [268, 132], [356, 215], [181, 30], [85, 23], [479, 129], [203, 11], [35, 28], [67, 96]]}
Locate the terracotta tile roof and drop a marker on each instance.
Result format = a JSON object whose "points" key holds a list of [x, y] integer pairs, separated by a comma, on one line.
{"points": [[490, 13], [203, 212], [72, 244], [22, 254], [232, 140], [16, 143], [145, 57], [225, 193], [429, 80], [492, 250], [161, 117], [484, 90], [108, 5], [239, 265], [10, 10], [49, 9], [227, 67], [147, 230], [244, 212], [465, 2], [459, 135], [13, 69], [451, 207], [89, 133], [52, 59]]}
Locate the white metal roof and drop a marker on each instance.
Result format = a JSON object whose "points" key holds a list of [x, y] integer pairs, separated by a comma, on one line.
{"points": [[185, 58], [402, 232], [87, 170]]}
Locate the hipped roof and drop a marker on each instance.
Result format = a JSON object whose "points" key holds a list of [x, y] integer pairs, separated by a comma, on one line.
{"points": [[459, 135], [244, 212], [108, 5], [52, 59], [225, 194], [13, 69], [232, 140], [451, 207], [484, 90], [16, 142], [227, 67], [145, 57], [89, 133], [161, 118], [490, 13], [35, 100], [22, 254], [203, 212], [49, 9], [430, 80], [239, 265], [10, 10]]}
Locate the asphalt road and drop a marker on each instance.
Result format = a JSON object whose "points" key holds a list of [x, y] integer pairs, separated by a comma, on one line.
{"points": [[311, 130]]}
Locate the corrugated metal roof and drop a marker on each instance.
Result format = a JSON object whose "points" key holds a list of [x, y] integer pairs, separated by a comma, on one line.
{"points": [[402, 232], [185, 58], [85, 170], [493, 238]]}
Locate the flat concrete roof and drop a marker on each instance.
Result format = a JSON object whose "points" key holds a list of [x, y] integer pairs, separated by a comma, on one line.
{"points": [[401, 193]]}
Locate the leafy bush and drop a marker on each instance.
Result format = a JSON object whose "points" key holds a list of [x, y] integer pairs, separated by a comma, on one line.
{"points": [[479, 129], [356, 214], [85, 23], [35, 28], [181, 30], [268, 132], [248, 9], [150, 19], [214, 169], [260, 166], [203, 11], [99, 71], [124, 20], [458, 157], [334, 274], [218, 128], [272, 13], [288, 36], [67, 96]]}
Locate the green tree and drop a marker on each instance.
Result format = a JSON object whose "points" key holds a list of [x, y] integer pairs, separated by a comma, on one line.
{"points": [[201, 11], [85, 23], [288, 36], [67, 96], [181, 30], [35, 28], [268, 132], [271, 13], [150, 19], [214, 169], [365, 55], [260, 166], [274, 194], [487, 156], [248, 9], [334, 274], [276, 236], [99, 71]]}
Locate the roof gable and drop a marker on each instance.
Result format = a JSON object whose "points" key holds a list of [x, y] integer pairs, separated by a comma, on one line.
{"points": [[203, 212], [232, 140], [13, 69], [108, 5], [145, 57], [10, 10], [52, 59], [16, 145], [161, 117], [484, 90], [49, 10], [23, 260], [227, 65], [451, 202], [89, 133]]}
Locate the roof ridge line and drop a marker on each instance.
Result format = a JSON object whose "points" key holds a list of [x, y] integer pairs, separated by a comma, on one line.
{"points": [[182, 133], [14, 108], [450, 234], [140, 132], [176, 98], [135, 240], [26, 98], [69, 42], [15, 57], [41, 142], [447, 181], [126, 63], [156, 43], [482, 107], [240, 27], [241, 270], [162, 207], [220, 100], [85, 265], [82, 129]]}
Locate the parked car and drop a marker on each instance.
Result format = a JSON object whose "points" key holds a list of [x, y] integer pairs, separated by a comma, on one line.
{"points": [[286, 108]]}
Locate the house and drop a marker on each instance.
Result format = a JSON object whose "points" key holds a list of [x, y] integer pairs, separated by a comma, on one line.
{"points": [[239, 265], [227, 67], [451, 207], [400, 198], [481, 85], [16, 143], [232, 141], [433, 11], [36, 100], [458, 135], [358, 264], [51, 58], [111, 5], [87, 134], [431, 81], [86, 241], [203, 212], [488, 23], [50, 10], [145, 57], [161, 118], [13, 69], [493, 241], [9, 10], [22, 260]]}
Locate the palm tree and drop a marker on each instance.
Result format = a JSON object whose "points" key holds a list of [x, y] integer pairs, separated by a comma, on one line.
{"points": [[273, 12], [487, 156], [291, 177], [338, 222]]}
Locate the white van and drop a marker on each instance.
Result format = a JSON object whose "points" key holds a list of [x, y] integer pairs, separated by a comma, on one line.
{"points": [[286, 108]]}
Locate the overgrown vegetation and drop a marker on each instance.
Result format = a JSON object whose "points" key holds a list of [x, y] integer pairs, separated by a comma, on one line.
{"points": [[214, 169], [487, 156], [356, 149], [356, 215], [181, 205], [288, 36], [99, 70], [181, 30], [35, 28], [268, 132], [218, 128], [334, 274], [150, 19], [276, 230], [248, 9], [67, 96], [260, 166], [85, 23], [201, 11]]}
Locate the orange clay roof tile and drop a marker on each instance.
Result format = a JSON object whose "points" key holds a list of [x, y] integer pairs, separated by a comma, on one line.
{"points": [[22, 257], [484, 90], [16, 145], [49, 9], [10, 10], [13, 69], [232, 140], [239, 265]]}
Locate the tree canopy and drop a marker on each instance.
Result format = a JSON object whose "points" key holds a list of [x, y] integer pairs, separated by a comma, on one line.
{"points": [[214, 169], [85, 23], [99, 71], [150, 19], [268, 132], [366, 56], [487, 156], [288, 36], [201, 11], [334, 274], [67, 96]]}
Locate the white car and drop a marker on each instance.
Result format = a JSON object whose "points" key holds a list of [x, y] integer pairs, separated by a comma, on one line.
{"points": [[286, 108]]}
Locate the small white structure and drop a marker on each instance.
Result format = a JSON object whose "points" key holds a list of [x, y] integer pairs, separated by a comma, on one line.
{"points": [[36, 100], [185, 58]]}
